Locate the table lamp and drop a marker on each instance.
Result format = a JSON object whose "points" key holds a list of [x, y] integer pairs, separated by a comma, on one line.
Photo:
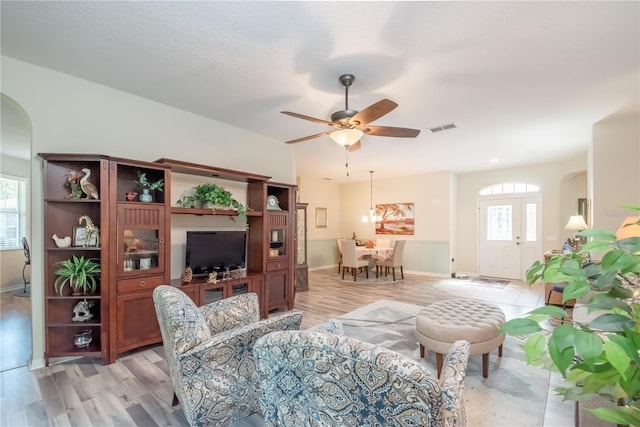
{"points": [[576, 223], [629, 228]]}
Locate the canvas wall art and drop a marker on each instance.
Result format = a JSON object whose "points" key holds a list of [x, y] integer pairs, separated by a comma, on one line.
{"points": [[395, 218]]}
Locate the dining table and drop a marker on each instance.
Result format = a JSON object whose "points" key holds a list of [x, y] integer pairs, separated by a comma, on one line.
{"points": [[375, 253]]}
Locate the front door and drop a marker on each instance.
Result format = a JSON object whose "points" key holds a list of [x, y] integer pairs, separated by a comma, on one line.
{"points": [[508, 236]]}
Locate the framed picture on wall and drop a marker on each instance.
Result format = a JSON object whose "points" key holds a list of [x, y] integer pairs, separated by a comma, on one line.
{"points": [[321, 217]]}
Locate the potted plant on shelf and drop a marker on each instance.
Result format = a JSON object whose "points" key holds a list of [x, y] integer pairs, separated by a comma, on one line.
{"points": [[213, 196], [147, 186], [80, 273], [598, 355]]}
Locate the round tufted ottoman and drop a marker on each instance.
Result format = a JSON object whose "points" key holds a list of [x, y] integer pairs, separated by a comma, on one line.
{"points": [[441, 324]]}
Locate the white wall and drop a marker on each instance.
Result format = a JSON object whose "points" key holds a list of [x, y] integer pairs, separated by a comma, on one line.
{"points": [[73, 115], [430, 193], [616, 169], [428, 249]]}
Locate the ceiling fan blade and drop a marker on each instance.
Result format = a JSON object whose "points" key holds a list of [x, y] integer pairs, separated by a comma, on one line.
{"points": [[391, 131], [374, 111], [306, 138], [354, 147], [311, 119]]}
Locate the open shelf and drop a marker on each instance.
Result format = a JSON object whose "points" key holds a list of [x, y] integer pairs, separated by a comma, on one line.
{"points": [[199, 211]]}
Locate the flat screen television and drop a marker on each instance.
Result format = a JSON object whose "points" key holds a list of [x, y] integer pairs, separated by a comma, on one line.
{"points": [[209, 251]]}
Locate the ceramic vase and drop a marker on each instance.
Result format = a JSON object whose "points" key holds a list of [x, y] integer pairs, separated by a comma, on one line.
{"points": [[145, 196]]}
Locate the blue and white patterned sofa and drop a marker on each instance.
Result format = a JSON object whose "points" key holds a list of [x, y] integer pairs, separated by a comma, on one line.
{"points": [[310, 378], [209, 353]]}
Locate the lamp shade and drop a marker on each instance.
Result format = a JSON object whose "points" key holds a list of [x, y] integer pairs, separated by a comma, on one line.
{"points": [[576, 222], [629, 228], [346, 137]]}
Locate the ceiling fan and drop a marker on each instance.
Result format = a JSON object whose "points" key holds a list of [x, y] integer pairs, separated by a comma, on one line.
{"points": [[350, 125]]}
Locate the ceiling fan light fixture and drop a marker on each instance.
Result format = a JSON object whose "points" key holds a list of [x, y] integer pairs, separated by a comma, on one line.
{"points": [[346, 137]]}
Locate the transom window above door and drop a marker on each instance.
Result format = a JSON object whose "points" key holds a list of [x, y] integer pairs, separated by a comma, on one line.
{"points": [[509, 187]]}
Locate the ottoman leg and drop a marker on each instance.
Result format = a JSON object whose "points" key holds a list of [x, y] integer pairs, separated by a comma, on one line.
{"points": [[421, 351], [500, 350], [439, 363], [485, 365]]}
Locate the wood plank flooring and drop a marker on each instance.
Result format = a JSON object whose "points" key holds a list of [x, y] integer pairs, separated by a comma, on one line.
{"points": [[15, 331], [136, 390]]}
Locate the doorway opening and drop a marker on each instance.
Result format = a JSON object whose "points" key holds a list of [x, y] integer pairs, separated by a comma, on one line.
{"points": [[16, 306], [509, 229]]}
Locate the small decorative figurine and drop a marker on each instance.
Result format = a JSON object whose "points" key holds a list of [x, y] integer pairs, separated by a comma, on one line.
{"points": [[93, 232], [213, 277], [187, 275], [83, 339], [73, 182], [88, 188], [81, 311], [62, 242], [130, 196]]}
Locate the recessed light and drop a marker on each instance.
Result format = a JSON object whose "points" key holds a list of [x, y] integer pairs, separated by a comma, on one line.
{"points": [[494, 160]]}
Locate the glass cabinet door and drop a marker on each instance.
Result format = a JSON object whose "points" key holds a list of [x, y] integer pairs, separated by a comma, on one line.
{"points": [[301, 249], [277, 242], [140, 240], [140, 250]]}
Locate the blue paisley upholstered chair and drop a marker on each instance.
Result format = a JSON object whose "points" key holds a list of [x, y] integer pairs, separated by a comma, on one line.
{"points": [[209, 353], [310, 378]]}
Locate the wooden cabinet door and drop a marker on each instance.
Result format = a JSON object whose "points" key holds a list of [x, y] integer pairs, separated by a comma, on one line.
{"points": [[137, 324], [276, 289]]}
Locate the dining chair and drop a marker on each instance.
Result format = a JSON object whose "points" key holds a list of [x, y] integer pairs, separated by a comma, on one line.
{"points": [[383, 243], [350, 259], [393, 262], [339, 243]]}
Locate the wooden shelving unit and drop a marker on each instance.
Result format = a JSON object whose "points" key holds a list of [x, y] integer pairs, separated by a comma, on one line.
{"points": [[134, 250], [62, 213]]}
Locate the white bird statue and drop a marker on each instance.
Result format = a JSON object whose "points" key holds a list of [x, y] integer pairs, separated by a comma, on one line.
{"points": [[88, 188], [62, 242]]}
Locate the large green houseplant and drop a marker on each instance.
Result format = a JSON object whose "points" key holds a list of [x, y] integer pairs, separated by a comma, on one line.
{"points": [[600, 356], [80, 273], [215, 197]]}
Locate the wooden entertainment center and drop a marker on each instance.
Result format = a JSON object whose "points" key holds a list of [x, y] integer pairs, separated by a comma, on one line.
{"points": [[134, 249]]}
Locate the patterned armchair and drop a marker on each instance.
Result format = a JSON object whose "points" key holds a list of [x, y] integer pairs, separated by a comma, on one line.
{"points": [[310, 378], [208, 351]]}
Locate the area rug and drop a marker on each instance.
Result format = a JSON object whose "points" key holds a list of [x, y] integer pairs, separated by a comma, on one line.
{"points": [[486, 282], [514, 394], [361, 278]]}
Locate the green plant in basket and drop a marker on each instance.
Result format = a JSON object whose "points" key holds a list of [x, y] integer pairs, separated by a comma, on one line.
{"points": [[216, 196], [80, 273], [599, 355]]}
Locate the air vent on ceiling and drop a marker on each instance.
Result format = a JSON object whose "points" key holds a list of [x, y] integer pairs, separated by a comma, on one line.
{"points": [[443, 127]]}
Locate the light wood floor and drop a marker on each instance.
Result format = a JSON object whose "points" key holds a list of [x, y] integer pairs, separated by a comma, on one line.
{"points": [[136, 389], [15, 331]]}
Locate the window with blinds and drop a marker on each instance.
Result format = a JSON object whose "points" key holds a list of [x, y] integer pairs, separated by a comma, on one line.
{"points": [[13, 207]]}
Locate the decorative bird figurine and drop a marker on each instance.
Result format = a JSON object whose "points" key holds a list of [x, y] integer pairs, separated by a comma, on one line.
{"points": [[62, 242], [88, 188]]}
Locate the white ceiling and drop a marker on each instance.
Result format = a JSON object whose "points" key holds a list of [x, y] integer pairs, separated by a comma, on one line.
{"points": [[523, 81]]}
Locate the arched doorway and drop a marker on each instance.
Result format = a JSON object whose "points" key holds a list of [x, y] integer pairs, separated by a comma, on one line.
{"points": [[15, 301]]}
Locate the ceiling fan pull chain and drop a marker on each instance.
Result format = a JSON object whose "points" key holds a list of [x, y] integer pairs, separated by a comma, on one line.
{"points": [[347, 161]]}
